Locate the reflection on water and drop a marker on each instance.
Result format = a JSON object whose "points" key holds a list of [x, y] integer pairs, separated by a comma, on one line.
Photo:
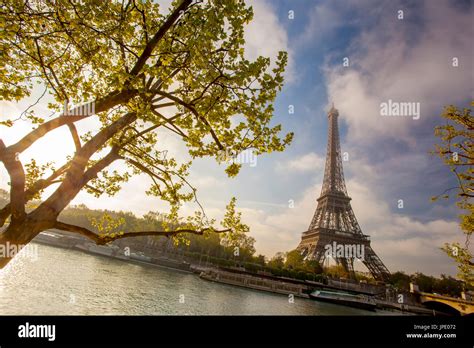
{"points": [[70, 282]]}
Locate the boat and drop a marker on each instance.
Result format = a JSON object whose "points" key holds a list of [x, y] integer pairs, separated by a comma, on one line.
{"points": [[57, 239], [103, 250], [170, 263], [140, 256], [344, 298], [251, 281]]}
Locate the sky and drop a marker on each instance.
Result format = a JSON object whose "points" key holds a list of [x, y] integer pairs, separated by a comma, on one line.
{"points": [[404, 60]]}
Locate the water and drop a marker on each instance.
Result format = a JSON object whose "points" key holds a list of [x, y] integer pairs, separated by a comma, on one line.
{"points": [[70, 282]]}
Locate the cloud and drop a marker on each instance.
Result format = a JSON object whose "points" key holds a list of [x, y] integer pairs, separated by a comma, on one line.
{"points": [[265, 36], [326, 18], [323, 20], [308, 162], [401, 241], [207, 181], [389, 61]]}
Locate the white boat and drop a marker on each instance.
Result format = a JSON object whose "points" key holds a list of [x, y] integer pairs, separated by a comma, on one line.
{"points": [[140, 257], [344, 298]]}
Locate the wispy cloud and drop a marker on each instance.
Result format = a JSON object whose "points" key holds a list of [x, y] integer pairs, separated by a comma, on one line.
{"points": [[309, 162], [404, 61], [265, 36]]}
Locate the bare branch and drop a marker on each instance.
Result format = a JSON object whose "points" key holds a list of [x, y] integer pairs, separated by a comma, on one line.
{"points": [[25, 112]]}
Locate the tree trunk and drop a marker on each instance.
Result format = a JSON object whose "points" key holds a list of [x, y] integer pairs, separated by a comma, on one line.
{"points": [[18, 235]]}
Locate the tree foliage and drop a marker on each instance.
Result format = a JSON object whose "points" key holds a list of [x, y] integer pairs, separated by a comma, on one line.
{"points": [[294, 261], [138, 70], [445, 285], [277, 261], [211, 246], [457, 151]]}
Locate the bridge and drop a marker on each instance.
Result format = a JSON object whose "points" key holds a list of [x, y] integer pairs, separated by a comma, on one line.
{"points": [[446, 303]]}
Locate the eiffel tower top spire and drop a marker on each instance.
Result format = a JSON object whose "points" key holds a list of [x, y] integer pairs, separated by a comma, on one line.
{"points": [[333, 182]]}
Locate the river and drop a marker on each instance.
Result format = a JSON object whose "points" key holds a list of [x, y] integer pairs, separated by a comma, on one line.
{"points": [[69, 282]]}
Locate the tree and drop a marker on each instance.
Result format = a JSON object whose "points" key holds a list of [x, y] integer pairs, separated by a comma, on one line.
{"points": [[294, 260], [130, 63], [336, 271], [313, 266], [457, 151], [260, 259], [425, 283], [277, 261], [400, 280], [449, 286], [240, 245]]}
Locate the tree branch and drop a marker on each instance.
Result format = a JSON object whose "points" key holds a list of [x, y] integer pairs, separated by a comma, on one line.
{"points": [[193, 110], [147, 171], [104, 239], [17, 179], [92, 172], [176, 129], [158, 36], [73, 181], [75, 136], [101, 105], [32, 191]]}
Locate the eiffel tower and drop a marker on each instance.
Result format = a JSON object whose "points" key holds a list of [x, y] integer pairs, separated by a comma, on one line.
{"points": [[334, 222]]}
